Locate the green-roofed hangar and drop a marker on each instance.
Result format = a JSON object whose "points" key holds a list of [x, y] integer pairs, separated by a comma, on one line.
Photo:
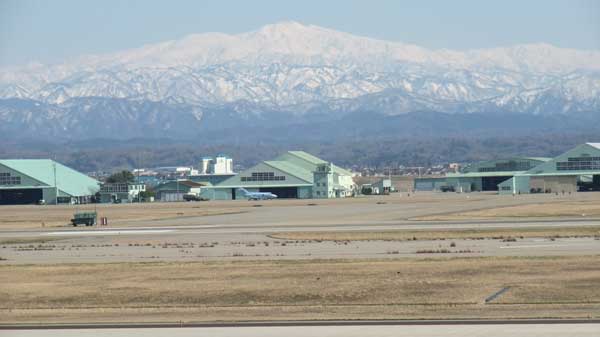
{"points": [[294, 174], [482, 176], [575, 170], [30, 181]]}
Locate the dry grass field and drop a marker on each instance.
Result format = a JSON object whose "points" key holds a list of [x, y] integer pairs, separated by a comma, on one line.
{"points": [[33, 216], [580, 208], [348, 288], [58, 216], [326, 289], [424, 234], [395, 207]]}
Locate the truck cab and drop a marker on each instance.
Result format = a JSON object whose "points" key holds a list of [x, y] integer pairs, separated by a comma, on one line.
{"points": [[84, 218]]}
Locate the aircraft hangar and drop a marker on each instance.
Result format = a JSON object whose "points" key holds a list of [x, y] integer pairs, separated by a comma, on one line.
{"points": [[29, 181], [294, 174], [575, 170]]}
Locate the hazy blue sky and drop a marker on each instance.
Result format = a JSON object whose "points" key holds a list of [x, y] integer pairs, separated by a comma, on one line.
{"points": [[49, 31]]}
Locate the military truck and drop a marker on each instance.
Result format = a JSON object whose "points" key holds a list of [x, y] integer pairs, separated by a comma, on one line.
{"points": [[84, 218]]}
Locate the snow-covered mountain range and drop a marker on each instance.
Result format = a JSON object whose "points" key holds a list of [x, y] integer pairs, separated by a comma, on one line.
{"points": [[293, 69]]}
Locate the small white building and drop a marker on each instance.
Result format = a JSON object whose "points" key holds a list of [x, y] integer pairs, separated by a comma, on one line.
{"points": [[121, 192], [221, 164]]}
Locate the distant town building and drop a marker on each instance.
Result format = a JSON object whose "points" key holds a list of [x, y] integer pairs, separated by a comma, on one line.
{"points": [[453, 167], [221, 164], [173, 170]]}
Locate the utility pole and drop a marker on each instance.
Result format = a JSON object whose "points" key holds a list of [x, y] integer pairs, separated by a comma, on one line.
{"points": [[137, 181]]}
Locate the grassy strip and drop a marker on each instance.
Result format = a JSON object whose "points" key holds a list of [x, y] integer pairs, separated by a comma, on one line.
{"points": [[474, 234], [16, 241], [582, 208], [324, 282], [298, 289], [211, 314]]}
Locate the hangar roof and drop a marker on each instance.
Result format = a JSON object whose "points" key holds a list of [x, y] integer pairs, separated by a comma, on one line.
{"points": [[483, 174], [513, 164], [559, 173], [581, 151], [313, 161], [544, 159], [308, 157], [182, 185], [291, 169], [69, 181]]}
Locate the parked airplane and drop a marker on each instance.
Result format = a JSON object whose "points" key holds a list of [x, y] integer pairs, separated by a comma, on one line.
{"points": [[257, 195]]}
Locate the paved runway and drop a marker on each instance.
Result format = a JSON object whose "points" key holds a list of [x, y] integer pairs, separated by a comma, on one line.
{"points": [[245, 235], [353, 211], [484, 330], [254, 227], [227, 242]]}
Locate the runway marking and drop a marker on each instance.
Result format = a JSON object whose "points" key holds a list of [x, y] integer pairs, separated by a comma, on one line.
{"points": [[267, 227], [173, 227], [533, 246], [445, 323], [108, 232]]}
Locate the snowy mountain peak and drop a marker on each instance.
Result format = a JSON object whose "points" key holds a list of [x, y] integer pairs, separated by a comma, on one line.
{"points": [[289, 28], [293, 66], [296, 43]]}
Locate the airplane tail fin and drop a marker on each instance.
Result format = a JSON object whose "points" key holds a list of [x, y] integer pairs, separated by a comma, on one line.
{"points": [[243, 190]]}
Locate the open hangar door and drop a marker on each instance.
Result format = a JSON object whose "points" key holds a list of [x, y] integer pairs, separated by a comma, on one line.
{"points": [[491, 183], [21, 196], [282, 192], [589, 184]]}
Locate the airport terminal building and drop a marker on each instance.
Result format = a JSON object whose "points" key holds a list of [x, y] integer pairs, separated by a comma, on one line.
{"points": [[575, 170], [294, 174], [29, 181]]}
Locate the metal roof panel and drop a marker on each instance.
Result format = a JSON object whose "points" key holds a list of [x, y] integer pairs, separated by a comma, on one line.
{"points": [[68, 180]]}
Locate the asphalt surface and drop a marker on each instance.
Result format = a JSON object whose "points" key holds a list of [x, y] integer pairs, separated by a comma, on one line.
{"points": [[375, 210], [246, 235], [217, 243], [548, 328]]}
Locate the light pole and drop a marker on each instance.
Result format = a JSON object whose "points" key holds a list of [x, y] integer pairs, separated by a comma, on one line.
{"points": [[137, 181]]}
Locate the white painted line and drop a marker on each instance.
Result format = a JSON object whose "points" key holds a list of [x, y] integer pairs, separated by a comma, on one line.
{"points": [[533, 246], [174, 227], [108, 232]]}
